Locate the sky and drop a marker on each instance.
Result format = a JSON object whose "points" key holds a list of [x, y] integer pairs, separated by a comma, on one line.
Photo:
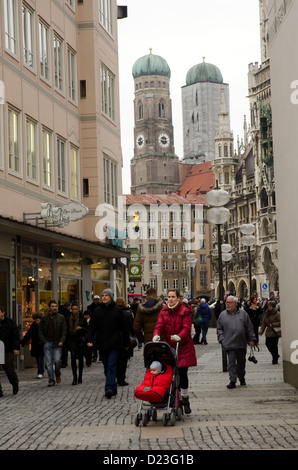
{"points": [[225, 32]]}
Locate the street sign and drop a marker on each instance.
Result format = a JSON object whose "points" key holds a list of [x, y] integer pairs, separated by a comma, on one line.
{"points": [[265, 290]]}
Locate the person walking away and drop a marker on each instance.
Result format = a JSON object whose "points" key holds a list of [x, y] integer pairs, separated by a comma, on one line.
{"points": [[91, 308], [234, 331], [112, 335], [9, 335], [87, 351], [52, 334], [125, 355], [146, 316], [65, 310], [205, 312], [174, 321], [254, 311], [74, 342], [36, 346], [270, 321]]}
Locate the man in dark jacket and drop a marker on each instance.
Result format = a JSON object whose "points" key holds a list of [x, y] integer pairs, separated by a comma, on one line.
{"points": [[111, 331], [146, 316], [52, 334], [9, 335]]}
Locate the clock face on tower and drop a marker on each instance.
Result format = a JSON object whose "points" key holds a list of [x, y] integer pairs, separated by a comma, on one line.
{"points": [[164, 140], [140, 141]]}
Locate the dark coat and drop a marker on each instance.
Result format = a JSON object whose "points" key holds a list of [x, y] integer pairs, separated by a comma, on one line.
{"points": [[9, 334], [146, 318], [205, 312], [60, 329], [128, 316], [177, 321], [110, 328], [36, 346], [74, 341]]}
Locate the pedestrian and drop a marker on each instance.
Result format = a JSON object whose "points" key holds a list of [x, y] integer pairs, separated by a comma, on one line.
{"points": [[126, 354], [254, 311], [112, 336], [87, 351], [36, 346], [9, 335], [52, 334], [234, 331], [91, 308], [205, 313], [65, 310], [174, 321], [146, 316], [270, 321], [74, 342]]}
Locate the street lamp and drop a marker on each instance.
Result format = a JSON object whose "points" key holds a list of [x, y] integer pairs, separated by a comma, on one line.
{"points": [[219, 215], [155, 272], [191, 263], [248, 240]]}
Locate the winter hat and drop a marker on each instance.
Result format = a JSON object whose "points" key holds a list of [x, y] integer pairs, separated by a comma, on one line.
{"points": [[202, 301], [156, 365], [109, 292]]}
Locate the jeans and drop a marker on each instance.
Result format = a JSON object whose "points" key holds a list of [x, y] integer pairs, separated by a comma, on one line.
{"points": [[109, 359], [204, 326], [52, 356], [40, 365]]}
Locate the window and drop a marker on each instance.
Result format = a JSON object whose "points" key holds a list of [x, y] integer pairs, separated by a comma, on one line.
{"points": [[165, 265], [203, 259], [203, 278], [174, 249], [61, 165], [151, 232], [165, 248], [10, 25], [31, 150], [175, 265], [71, 4], [151, 248], [175, 283], [110, 182], [72, 75], [164, 233], [44, 53], [105, 15], [74, 172], [185, 283], [14, 160], [47, 162], [28, 38], [166, 284], [107, 81], [58, 63]]}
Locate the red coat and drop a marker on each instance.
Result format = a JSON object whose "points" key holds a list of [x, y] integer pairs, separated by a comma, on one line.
{"points": [[177, 321], [153, 387]]}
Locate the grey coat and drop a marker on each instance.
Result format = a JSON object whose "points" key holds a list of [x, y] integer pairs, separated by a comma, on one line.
{"points": [[235, 331]]}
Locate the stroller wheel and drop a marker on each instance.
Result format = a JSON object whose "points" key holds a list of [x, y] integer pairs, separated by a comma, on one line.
{"points": [[154, 415], [179, 413], [165, 418], [145, 420], [173, 418], [137, 419]]}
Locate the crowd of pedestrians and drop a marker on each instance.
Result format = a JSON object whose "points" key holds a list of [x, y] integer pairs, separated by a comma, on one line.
{"points": [[110, 329]]}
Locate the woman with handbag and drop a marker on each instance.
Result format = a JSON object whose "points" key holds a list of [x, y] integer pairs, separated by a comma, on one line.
{"points": [[271, 323]]}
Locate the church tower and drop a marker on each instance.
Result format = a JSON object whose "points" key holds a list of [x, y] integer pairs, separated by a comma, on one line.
{"points": [[154, 167]]}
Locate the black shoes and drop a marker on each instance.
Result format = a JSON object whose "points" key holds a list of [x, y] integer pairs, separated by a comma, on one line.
{"points": [[231, 385], [242, 382], [122, 384], [186, 405], [110, 393], [15, 389]]}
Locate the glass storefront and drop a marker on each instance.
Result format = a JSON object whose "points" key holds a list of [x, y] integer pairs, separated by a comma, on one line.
{"points": [[69, 277], [100, 275]]}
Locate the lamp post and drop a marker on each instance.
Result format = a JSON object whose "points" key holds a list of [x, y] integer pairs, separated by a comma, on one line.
{"points": [[248, 240], [219, 215], [155, 272], [191, 263], [226, 257]]}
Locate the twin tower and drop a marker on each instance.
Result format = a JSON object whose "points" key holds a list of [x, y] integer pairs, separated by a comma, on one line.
{"points": [[155, 168]]}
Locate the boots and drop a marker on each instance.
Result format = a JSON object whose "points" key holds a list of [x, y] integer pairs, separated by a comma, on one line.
{"points": [[186, 405]]}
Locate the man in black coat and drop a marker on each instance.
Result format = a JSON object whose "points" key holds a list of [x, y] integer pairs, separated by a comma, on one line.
{"points": [[112, 335], [9, 335]]}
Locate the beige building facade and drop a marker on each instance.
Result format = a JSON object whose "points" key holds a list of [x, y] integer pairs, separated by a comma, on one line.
{"points": [[59, 147]]}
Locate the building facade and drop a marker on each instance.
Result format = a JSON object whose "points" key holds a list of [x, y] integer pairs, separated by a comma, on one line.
{"points": [[60, 152]]}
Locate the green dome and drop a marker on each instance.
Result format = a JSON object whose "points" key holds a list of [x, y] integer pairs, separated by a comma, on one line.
{"points": [[204, 73], [151, 64]]}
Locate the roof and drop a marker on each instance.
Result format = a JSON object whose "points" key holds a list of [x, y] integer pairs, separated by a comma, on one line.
{"points": [[199, 180], [151, 64], [204, 73], [171, 198]]}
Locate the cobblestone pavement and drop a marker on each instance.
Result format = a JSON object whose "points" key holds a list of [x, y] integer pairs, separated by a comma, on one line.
{"points": [[260, 416]]}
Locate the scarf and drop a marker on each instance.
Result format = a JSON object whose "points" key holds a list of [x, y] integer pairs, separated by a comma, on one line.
{"points": [[73, 323]]}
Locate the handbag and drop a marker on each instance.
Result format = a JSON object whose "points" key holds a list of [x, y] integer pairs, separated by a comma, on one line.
{"points": [[277, 330], [199, 321], [133, 342]]}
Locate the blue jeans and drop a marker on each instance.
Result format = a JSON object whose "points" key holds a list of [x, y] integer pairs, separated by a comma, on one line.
{"points": [[109, 359], [40, 366], [52, 356], [204, 327]]}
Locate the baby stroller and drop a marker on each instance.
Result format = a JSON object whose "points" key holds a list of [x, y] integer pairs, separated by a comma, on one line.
{"points": [[170, 402]]}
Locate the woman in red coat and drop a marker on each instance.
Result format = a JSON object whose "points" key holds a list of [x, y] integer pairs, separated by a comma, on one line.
{"points": [[174, 321]]}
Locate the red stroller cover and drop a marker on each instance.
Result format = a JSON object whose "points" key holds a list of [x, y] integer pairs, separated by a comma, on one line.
{"points": [[154, 387]]}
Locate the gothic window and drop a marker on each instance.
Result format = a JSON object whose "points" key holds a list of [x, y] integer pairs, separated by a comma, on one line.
{"points": [[219, 151], [161, 110], [226, 151], [140, 109], [264, 198]]}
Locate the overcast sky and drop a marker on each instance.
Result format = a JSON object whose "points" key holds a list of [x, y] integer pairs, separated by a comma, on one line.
{"points": [[225, 32]]}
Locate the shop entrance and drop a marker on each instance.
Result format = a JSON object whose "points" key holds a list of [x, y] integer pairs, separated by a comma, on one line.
{"points": [[4, 284]]}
